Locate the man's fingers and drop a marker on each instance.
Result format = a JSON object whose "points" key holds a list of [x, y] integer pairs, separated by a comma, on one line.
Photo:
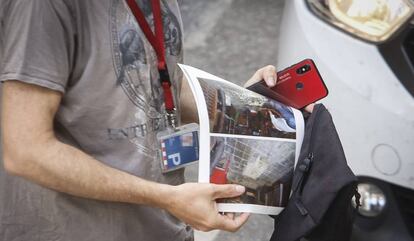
{"points": [[229, 215], [227, 191], [269, 75], [242, 218], [232, 225], [255, 78]]}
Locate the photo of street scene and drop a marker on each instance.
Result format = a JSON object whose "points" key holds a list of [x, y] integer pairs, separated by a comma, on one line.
{"points": [[235, 110], [264, 167]]}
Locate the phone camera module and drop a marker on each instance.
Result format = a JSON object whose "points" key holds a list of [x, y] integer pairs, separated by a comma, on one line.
{"points": [[303, 69], [299, 85]]}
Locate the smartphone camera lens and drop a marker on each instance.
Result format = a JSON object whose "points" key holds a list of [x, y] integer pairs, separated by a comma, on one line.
{"points": [[303, 69], [299, 85]]}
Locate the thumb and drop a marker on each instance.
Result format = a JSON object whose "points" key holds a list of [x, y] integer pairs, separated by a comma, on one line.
{"points": [[232, 225], [227, 191]]}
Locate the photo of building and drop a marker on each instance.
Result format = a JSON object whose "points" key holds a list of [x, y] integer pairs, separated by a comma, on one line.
{"points": [[264, 167], [235, 110]]}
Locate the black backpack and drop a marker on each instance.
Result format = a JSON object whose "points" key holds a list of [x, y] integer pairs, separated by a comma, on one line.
{"points": [[323, 185]]}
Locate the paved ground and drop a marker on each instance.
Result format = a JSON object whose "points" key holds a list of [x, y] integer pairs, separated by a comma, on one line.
{"points": [[232, 39]]}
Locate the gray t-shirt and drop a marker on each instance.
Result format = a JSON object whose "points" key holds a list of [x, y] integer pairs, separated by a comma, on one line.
{"points": [[94, 52]]}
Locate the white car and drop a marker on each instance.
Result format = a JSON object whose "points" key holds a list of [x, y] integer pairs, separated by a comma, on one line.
{"points": [[364, 50]]}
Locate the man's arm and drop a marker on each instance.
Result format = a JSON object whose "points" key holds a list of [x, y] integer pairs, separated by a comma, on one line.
{"points": [[31, 150]]}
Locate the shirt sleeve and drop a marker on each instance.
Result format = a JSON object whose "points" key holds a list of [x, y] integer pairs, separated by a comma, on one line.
{"points": [[37, 43]]}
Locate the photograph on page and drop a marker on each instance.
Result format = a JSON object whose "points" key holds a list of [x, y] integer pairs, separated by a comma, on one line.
{"points": [[246, 139]]}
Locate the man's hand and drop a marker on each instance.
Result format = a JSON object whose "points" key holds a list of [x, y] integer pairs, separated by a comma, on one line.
{"points": [[268, 73], [195, 204]]}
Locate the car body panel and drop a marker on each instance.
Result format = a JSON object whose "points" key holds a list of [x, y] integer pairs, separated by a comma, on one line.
{"points": [[372, 110]]}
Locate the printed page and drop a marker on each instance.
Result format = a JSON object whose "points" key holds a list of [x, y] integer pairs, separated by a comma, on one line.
{"points": [[246, 139]]}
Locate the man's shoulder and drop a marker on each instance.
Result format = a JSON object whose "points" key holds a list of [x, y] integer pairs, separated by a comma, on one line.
{"points": [[11, 7]]}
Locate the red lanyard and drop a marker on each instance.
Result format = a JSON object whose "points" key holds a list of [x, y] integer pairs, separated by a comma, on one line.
{"points": [[157, 42]]}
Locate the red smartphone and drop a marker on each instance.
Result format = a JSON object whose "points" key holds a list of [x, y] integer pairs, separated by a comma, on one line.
{"points": [[298, 85]]}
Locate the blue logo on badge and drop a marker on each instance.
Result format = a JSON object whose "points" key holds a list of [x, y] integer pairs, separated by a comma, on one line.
{"points": [[180, 150]]}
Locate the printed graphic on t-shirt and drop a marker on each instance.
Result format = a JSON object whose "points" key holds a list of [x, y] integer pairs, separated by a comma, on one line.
{"points": [[135, 64], [134, 59]]}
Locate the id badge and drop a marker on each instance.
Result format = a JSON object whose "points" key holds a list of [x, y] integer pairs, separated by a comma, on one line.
{"points": [[178, 148]]}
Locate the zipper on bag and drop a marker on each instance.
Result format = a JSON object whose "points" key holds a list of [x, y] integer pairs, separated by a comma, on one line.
{"points": [[305, 166]]}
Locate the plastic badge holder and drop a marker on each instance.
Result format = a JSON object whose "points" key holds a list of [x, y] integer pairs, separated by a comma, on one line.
{"points": [[178, 148]]}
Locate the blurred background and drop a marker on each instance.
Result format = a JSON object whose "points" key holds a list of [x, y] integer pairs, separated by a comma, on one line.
{"points": [[231, 39], [364, 50]]}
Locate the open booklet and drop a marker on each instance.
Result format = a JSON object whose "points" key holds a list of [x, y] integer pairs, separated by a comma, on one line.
{"points": [[246, 139]]}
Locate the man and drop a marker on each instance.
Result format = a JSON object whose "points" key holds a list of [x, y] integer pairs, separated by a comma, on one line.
{"points": [[82, 105]]}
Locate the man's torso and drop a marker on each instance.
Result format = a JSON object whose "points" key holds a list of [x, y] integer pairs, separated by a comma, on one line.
{"points": [[112, 109]]}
